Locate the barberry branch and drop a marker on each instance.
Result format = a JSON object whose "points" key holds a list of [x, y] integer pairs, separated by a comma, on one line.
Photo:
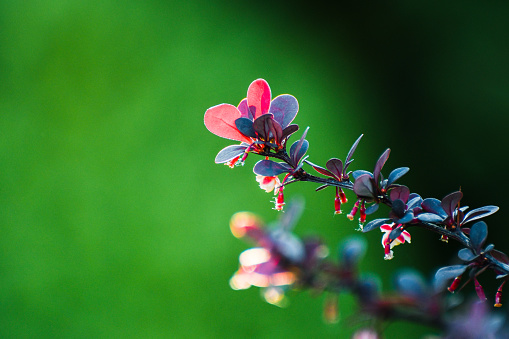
{"points": [[283, 260]]}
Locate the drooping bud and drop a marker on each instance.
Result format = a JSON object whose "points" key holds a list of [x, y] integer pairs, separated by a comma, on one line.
{"points": [[498, 296], [232, 162], [455, 284], [342, 196], [337, 202], [355, 207], [479, 290], [280, 200], [362, 216]]}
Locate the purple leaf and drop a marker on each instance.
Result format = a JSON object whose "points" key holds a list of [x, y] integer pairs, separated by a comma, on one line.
{"points": [[380, 164], [270, 168], [434, 206], [285, 108], [335, 166], [358, 173], [450, 202], [398, 209], [230, 152], [447, 273], [289, 131], [350, 153], [409, 216], [372, 209], [414, 200], [395, 233], [320, 169], [364, 187], [478, 234], [466, 254], [245, 126], [500, 256], [430, 217], [396, 174], [275, 130], [401, 192], [480, 212], [299, 148], [244, 110], [374, 224]]}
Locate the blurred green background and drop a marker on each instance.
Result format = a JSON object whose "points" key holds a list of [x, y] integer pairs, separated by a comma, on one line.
{"points": [[113, 215]]}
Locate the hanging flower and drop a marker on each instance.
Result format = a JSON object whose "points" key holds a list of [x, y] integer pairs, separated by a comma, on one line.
{"points": [[387, 244], [268, 183], [258, 122]]}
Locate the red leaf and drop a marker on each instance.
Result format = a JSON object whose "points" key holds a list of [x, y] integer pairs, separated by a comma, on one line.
{"points": [[220, 120], [258, 97]]}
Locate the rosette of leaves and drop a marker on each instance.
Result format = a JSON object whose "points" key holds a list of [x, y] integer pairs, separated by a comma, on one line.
{"points": [[372, 187], [271, 168]]}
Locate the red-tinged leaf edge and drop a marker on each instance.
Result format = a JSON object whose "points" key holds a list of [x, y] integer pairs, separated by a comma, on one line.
{"points": [[270, 168], [364, 188], [295, 150], [335, 166], [450, 202], [349, 159], [244, 110], [220, 120], [320, 169], [258, 98], [401, 192], [380, 164], [230, 152]]}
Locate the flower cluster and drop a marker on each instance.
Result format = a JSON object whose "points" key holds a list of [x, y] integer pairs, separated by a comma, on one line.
{"points": [[281, 260]]}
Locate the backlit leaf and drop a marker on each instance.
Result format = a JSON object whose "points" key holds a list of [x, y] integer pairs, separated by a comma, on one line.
{"points": [[229, 152], [270, 168], [450, 202], [380, 164], [258, 98], [335, 166], [220, 120], [285, 108]]}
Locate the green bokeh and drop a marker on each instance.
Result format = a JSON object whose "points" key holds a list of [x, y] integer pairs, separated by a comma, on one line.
{"points": [[113, 216]]}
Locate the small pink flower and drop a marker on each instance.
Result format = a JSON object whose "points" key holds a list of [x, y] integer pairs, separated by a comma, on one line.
{"points": [[387, 229], [268, 183]]}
